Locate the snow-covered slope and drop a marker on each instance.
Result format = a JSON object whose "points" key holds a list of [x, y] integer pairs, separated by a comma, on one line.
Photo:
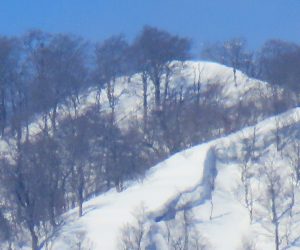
{"points": [[205, 181], [186, 75], [106, 214], [129, 91]]}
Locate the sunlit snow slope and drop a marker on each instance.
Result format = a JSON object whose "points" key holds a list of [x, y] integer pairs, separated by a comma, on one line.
{"points": [[186, 178], [106, 214]]}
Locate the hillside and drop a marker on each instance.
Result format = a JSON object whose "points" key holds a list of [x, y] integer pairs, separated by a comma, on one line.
{"points": [[184, 183], [101, 156], [144, 126], [187, 75]]}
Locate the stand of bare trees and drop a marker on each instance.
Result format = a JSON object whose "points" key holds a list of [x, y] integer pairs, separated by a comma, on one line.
{"points": [[179, 234], [72, 157]]}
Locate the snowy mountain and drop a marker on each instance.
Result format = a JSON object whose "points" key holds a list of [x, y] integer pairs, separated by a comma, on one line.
{"points": [[239, 191], [187, 76], [203, 188]]}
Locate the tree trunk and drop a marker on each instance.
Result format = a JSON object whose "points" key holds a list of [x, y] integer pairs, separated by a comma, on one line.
{"points": [[186, 231], [111, 98], [80, 199], [2, 113], [53, 118], [34, 238], [157, 97], [166, 90], [276, 237], [157, 93], [80, 191], [234, 76], [45, 118], [52, 211], [275, 218], [80, 210], [145, 101]]}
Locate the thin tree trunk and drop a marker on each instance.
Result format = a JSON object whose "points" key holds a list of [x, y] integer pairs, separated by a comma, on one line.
{"points": [[2, 113], [34, 238], [166, 90], [80, 192], [145, 101], [275, 218], [111, 99], [53, 118], [157, 92]]}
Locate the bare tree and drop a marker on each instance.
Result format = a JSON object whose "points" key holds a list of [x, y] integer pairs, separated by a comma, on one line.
{"points": [[26, 183], [58, 63], [158, 49], [293, 154], [9, 69], [232, 53], [75, 135], [5, 230], [111, 56], [133, 236], [278, 200], [248, 156], [182, 234], [279, 62], [238, 58]]}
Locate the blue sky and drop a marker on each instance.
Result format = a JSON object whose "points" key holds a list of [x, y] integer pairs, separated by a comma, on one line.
{"points": [[201, 20]]}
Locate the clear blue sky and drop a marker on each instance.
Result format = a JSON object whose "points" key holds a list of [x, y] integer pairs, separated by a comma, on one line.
{"points": [[201, 20]]}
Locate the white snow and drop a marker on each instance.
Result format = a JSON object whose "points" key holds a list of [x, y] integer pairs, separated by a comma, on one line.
{"points": [[129, 92], [183, 177], [179, 176], [106, 214]]}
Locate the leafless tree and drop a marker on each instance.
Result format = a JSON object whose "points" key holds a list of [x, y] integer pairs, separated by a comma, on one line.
{"points": [[8, 70], [279, 61], [133, 235], [182, 234], [59, 72], [110, 64], [293, 154], [75, 136], [158, 49], [248, 157], [278, 201], [233, 53]]}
